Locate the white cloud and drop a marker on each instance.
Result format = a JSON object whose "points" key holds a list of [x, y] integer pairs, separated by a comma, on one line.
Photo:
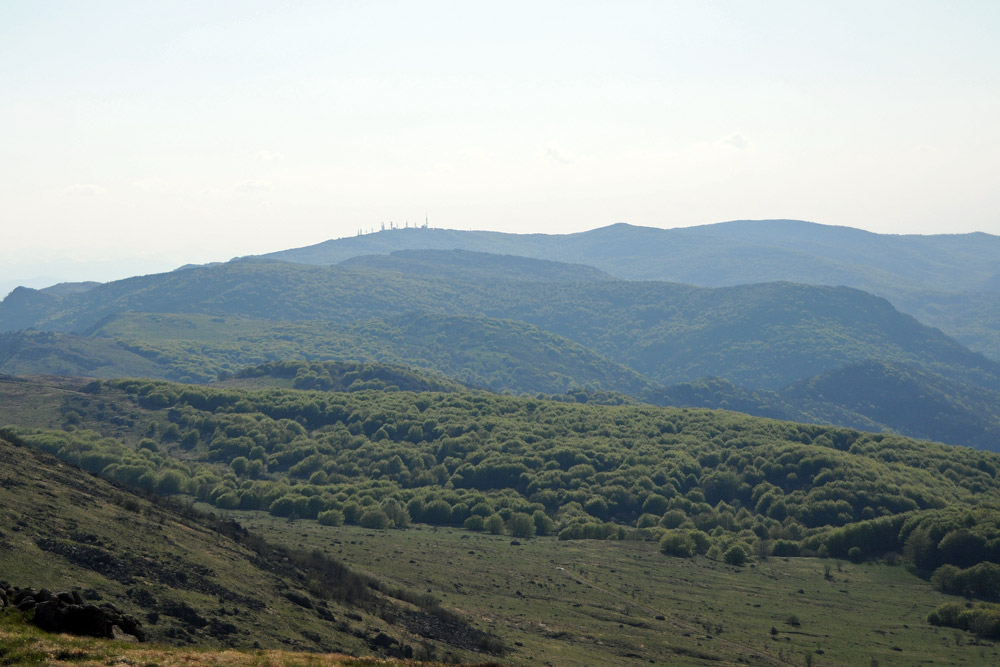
{"points": [[86, 190], [557, 154], [269, 156], [251, 188], [646, 155], [149, 185], [475, 154], [735, 140]]}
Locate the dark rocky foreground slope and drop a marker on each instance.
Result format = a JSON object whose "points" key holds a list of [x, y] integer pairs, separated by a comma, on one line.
{"points": [[179, 577], [68, 612]]}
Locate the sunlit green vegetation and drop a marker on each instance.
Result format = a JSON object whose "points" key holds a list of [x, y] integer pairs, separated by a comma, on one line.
{"points": [[691, 484], [700, 481]]}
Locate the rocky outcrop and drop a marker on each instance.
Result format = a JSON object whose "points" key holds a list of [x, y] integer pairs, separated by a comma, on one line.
{"points": [[69, 612]]}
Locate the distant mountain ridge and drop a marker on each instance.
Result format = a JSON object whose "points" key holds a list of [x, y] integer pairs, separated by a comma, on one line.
{"points": [[761, 336], [946, 261], [946, 280], [460, 264], [509, 322]]}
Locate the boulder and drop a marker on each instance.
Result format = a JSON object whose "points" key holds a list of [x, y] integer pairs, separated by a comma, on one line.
{"points": [[21, 593], [47, 615], [67, 612], [88, 620]]}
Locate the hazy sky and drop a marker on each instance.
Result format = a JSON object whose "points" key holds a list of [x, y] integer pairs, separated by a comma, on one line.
{"points": [[138, 136]]}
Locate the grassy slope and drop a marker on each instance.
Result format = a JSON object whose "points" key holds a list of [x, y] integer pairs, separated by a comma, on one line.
{"points": [[23, 644], [28, 352], [589, 602], [138, 549]]}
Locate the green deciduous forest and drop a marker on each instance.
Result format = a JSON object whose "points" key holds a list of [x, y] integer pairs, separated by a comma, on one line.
{"points": [[696, 481]]}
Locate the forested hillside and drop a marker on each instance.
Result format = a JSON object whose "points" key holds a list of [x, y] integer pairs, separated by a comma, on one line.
{"points": [[947, 280], [759, 335], [545, 328], [574, 468], [868, 395], [462, 265]]}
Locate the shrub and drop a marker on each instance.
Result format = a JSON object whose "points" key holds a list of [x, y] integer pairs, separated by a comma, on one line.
{"points": [[677, 543], [673, 518], [375, 517], [982, 619], [437, 512], [981, 580], [331, 518], [702, 542], [189, 439], [171, 482], [283, 506], [396, 512], [521, 525], [543, 524], [227, 501], [151, 445], [352, 512], [239, 465], [655, 504], [474, 522], [737, 555], [494, 524], [785, 549]]}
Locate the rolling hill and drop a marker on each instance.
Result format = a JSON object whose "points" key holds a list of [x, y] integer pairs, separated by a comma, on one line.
{"points": [[764, 335], [519, 325], [868, 395], [948, 280], [729, 253]]}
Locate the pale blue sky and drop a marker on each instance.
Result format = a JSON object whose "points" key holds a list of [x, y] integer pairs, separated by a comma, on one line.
{"points": [[140, 136]]}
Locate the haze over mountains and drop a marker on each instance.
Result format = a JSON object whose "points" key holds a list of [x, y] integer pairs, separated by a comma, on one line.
{"points": [[603, 310], [951, 281]]}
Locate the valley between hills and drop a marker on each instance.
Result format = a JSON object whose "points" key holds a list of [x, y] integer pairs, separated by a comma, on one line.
{"points": [[766, 442]]}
